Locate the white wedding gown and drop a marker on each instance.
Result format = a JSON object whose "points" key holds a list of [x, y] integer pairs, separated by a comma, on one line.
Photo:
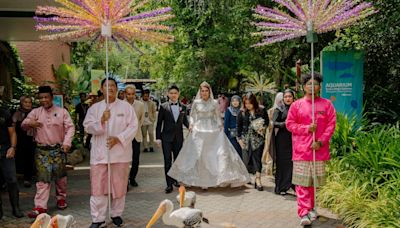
{"points": [[207, 158]]}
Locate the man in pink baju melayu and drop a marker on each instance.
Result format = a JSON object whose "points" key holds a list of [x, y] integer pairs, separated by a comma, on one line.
{"points": [[54, 131], [123, 125], [299, 122]]}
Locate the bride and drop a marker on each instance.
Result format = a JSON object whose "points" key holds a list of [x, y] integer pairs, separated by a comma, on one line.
{"points": [[207, 158]]}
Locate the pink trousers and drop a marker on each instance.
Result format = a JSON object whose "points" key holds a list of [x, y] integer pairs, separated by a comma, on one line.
{"points": [[98, 207], [43, 192], [99, 190], [305, 200]]}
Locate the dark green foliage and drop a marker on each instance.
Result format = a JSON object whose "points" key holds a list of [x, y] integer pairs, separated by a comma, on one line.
{"points": [[363, 183]]}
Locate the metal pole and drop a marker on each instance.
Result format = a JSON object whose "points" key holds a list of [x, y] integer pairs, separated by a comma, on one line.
{"points": [[107, 135], [313, 121]]}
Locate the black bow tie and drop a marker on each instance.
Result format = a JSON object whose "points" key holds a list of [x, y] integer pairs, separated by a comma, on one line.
{"points": [[174, 103]]}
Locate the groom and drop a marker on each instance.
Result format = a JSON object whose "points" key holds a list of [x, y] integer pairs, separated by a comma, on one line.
{"points": [[169, 131]]}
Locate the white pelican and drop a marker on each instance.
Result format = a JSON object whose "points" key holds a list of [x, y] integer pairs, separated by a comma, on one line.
{"points": [[186, 199], [60, 221], [41, 221], [184, 217]]}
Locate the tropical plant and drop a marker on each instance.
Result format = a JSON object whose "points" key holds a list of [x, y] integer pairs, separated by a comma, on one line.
{"points": [[343, 140], [363, 185], [22, 87], [257, 83], [70, 81]]}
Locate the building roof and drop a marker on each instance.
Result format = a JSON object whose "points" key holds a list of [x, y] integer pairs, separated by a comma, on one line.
{"points": [[16, 19]]}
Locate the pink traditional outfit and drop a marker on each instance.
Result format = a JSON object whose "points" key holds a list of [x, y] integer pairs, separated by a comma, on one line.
{"points": [[57, 131], [298, 122], [123, 124]]}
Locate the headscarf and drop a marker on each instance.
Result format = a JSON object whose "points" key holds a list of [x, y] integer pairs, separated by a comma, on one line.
{"points": [[205, 84], [286, 107], [278, 103], [21, 113], [235, 110]]}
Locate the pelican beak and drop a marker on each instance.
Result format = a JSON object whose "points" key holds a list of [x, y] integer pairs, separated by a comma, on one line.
{"points": [[182, 191], [37, 223], [160, 211], [54, 222]]}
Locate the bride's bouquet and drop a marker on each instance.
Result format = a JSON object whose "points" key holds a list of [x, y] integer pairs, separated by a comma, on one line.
{"points": [[258, 126]]}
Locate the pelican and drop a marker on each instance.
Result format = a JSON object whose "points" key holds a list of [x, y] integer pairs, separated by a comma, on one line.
{"points": [[41, 221], [186, 199], [184, 217], [60, 221]]}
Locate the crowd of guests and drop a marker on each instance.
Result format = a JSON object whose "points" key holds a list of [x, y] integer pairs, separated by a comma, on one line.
{"points": [[287, 142], [35, 141]]}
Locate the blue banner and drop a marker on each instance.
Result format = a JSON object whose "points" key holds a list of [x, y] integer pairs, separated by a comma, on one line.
{"points": [[343, 73]]}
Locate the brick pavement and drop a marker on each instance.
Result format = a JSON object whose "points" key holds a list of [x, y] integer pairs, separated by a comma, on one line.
{"points": [[224, 207]]}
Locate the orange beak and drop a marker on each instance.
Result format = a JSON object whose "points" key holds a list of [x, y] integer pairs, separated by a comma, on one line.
{"points": [[38, 223], [182, 191], [160, 211], [54, 222]]}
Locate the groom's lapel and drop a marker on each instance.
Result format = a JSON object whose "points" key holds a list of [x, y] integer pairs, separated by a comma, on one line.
{"points": [[182, 111], [170, 111]]}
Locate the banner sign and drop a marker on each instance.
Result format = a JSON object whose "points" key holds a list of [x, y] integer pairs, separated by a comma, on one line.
{"points": [[95, 79], [58, 100], [343, 73]]}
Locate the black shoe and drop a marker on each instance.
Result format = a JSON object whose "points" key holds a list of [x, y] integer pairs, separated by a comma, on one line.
{"points": [[133, 183], [117, 221], [1, 208], [169, 189], [146, 150], [98, 224], [13, 193], [176, 184], [151, 149], [258, 187]]}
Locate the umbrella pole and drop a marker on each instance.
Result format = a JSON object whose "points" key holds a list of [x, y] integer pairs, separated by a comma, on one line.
{"points": [[107, 135], [313, 121], [312, 38]]}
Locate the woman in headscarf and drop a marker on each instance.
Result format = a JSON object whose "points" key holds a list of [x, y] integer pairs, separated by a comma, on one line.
{"points": [[283, 145], [25, 145], [207, 158], [269, 149], [230, 127]]}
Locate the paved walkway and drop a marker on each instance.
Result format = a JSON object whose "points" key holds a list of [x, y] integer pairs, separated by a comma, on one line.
{"points": [[242, 207]]}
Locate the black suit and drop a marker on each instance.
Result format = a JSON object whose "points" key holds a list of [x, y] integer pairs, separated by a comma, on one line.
{"points": [[171, 134]]}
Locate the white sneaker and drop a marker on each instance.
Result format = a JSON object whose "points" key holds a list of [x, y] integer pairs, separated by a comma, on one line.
{"points": [[313, 215], [305, 220]]}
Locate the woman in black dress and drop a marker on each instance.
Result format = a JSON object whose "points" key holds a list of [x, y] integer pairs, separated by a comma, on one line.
{"points": [[251, 128], [24, 157], [283, 145]]}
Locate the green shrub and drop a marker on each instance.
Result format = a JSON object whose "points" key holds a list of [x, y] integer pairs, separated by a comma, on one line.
{"points": [[345, 133], [363, 185]]}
